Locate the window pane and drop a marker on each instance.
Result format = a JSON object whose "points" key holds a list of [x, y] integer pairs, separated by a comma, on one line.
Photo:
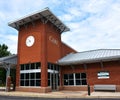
{"points": [[32, 82], [32, 66], [27, 76], [52, 66], [70, 76], [65, 82], [78, 82], [65, 76], [83, 75], [55, 67], [27, 66], [22, 67], [37, 75], [71, 82], [84, 82], [77, 75], [37, 82], [22, 76], [22, 83], [37, 65], [32, 75], [26, 82]]}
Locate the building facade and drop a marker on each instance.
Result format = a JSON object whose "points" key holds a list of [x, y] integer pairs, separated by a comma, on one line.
{"points": [[41, 59], [100, 67], [39, 48]]}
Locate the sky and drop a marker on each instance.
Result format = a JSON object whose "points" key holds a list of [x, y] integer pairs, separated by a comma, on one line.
{"points": [[94, 24]]}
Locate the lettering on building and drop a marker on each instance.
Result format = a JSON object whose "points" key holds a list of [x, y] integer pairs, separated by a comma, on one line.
{"points": [[53, 40]]}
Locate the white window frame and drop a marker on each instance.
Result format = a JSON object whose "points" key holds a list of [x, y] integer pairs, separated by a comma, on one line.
{"points": [[74, 79]]}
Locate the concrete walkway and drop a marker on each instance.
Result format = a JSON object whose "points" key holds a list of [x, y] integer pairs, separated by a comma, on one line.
{"points": [[64, 94], [106, 94]]}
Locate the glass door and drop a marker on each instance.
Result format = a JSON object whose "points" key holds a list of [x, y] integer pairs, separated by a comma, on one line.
{"points": [[53, 76], [53, 82]]}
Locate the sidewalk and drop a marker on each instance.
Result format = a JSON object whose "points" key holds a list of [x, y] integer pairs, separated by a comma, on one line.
{"points": [[106, 94], [63, 94]]}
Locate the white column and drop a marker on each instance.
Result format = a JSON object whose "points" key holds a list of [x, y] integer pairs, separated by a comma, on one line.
{"points": [[74, 79]]}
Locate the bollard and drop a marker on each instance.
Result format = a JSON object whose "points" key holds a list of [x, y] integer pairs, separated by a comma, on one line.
{"points": [[88, 89], [8, 84]]}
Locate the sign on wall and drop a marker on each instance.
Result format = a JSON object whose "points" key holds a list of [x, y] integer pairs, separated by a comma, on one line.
{"points": [[103, 75], [53, 40]]}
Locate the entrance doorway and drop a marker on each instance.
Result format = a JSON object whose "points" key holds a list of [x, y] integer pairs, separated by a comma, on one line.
{"points": [[54, 81], [53, 76]]}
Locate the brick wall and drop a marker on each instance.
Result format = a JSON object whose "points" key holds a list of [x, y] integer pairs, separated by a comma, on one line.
{"points": [[34, 89], [67, 49], [46, 48], [112, 67]]}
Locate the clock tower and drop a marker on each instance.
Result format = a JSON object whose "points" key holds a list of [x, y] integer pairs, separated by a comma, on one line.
{"points": [[39, 49]]}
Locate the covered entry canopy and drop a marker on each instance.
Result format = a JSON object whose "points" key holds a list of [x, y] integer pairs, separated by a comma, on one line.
{"points": [[12, 60], [7, 63]]}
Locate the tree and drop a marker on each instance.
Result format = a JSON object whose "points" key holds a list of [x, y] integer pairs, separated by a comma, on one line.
{"points": [[4, 50]]}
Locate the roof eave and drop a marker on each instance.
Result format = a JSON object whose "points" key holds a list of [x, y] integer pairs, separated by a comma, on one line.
{"points": [[37, 15], [87, 61]]}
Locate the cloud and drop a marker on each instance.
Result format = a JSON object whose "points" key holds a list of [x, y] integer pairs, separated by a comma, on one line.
{"points": [[98, 30], [94, 24], [10, 41]]}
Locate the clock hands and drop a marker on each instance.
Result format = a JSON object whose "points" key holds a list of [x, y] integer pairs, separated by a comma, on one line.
{"points": [[30, 41]]}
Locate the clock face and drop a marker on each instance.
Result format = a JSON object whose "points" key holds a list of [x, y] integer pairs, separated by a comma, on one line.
{"points": [[30, 41]]}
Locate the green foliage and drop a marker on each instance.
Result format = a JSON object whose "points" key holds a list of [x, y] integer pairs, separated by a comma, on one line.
{"points": [[4, 50], [2, 76]]}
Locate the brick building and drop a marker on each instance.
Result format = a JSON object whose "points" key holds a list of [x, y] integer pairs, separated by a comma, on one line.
{"points": [[45, 63]]}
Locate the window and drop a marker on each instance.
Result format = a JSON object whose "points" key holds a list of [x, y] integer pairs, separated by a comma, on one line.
{"points": [[22, 67], [75, 79], [53, 67], [30, 74]]}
